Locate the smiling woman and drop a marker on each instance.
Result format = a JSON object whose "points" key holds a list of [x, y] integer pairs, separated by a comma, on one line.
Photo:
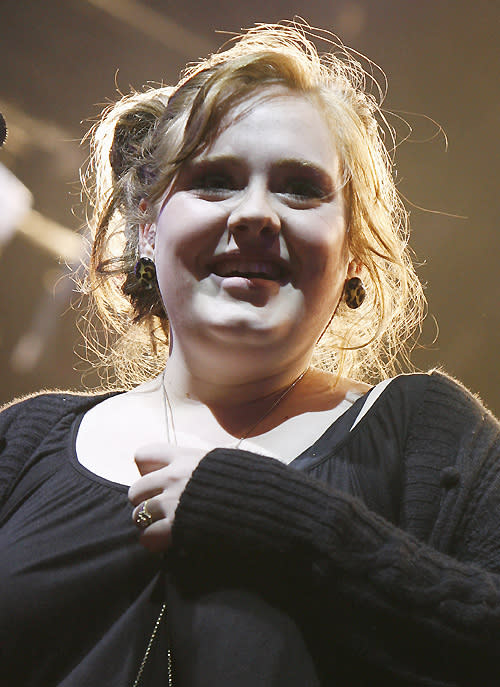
{"points": [[248, 513], [164, 133], [254, 233]]}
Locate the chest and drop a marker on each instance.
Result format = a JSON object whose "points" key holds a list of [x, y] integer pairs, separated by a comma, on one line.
{"points": [[110, 434]]}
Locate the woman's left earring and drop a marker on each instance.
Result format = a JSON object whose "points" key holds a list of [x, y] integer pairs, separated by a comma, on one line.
{"points": [[145, 272], [354, 292]]}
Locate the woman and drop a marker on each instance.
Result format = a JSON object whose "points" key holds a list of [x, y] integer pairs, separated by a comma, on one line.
{"points": [[296, 526]]}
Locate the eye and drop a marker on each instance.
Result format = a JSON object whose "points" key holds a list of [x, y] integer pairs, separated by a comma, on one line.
{"points": [[302, 191], [214, 182], [303, 188]]}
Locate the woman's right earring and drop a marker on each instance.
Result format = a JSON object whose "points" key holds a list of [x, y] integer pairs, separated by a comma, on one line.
{"points": [[354, 292], [145, 272]]}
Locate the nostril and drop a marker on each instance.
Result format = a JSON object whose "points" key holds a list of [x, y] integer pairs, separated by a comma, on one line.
{"points": [[269, 231], [256, 225], [254, 214]]}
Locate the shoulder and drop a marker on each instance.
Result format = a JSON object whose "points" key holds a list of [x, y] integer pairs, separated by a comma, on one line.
{"points": [[45, 407], [452, 427], [446, 400], [25, 423], [436, 393], [430, 408], [27, 419]]}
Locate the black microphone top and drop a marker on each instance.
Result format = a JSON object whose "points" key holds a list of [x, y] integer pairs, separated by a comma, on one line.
{"points": [[3, 130]]}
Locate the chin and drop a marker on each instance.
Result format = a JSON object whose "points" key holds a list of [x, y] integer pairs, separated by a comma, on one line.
{"points": [[249, 331]]}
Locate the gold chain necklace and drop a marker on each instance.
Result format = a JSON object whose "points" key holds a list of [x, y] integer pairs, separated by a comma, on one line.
{"points": [[169, 414], [172, 438]]}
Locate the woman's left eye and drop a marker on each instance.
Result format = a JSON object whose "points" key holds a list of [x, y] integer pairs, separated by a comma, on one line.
{"points": [[303, 189]]}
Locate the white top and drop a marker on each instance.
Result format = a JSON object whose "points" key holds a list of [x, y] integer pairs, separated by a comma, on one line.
{"points": [[282, 444]]}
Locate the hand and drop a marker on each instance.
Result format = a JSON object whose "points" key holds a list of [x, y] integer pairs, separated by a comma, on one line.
{"points": [[165, 469]]}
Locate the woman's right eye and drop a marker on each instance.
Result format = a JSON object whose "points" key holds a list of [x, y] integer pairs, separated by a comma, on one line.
{"points": [[213, 184]]}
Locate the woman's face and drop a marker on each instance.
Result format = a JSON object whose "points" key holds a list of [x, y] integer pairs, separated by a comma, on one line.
{"points": [[250, 244]]}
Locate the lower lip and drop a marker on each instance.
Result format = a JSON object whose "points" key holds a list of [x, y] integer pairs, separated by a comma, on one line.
{"points": [[247, 282]]}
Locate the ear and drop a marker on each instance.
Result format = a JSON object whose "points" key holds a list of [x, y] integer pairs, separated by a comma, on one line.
{"points": [[147, 236]]}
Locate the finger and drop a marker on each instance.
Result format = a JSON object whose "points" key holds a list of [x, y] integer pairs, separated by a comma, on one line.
{"points": [[157, 537], [147, 465], [156, 527], [153, 457], [142, 515], [146, 487], [150, 511]]}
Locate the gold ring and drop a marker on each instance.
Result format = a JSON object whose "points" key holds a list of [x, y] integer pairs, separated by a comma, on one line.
{"points": [[144, 518]]}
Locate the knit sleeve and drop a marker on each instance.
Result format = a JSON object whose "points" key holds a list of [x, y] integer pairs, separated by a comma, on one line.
{"points": [[426, 611]]}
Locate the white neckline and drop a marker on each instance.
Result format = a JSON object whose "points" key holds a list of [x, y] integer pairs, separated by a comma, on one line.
{"points": [[331, 416], [373, 395]]}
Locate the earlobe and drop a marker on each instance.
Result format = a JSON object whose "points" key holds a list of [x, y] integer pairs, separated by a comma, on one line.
{"points": [[354, 289], [354, 269]]}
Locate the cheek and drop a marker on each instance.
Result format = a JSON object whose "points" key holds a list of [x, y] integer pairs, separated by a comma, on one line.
{"points": [[323, 246], [326, 271], [190, 214], [187, 228]]}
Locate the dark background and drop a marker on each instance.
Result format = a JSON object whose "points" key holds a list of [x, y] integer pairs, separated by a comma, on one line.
{"points": [[62, 60]]}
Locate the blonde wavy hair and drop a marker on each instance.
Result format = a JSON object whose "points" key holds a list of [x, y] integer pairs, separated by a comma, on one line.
{"points": [[141, 142]]}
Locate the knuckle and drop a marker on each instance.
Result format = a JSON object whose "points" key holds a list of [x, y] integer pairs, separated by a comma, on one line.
{"points": [[156, 537], [132, 495]]}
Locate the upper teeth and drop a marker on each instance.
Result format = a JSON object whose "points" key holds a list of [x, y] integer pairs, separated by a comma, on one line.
{"points": [[230, 268]]}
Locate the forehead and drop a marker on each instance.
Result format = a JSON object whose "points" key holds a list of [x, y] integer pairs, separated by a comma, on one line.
{"points": [[276, 124]]}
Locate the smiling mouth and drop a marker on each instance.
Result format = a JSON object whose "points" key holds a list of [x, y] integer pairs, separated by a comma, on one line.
{"points": [[251, 269]]}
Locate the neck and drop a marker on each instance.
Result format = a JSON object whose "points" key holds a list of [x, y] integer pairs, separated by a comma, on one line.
{"points": [[219, 386]]}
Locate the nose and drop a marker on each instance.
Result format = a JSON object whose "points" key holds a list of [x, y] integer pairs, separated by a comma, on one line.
{"points": [[254, 214]]}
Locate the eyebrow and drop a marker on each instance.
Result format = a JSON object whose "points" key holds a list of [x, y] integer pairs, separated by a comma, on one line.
{"points": [[314, 169]]}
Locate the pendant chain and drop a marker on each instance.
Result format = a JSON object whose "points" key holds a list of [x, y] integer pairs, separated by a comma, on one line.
{"points": [[172, 438], [162, 614], [169, 414]]}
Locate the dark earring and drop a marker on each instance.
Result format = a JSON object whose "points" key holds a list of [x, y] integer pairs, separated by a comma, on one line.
{"points": [[354, 292], [145, 272]]}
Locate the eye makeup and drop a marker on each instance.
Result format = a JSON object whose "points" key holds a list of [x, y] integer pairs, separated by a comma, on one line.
{"points": [[300, 181]]}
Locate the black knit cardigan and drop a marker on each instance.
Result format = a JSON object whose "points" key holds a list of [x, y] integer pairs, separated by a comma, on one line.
{"points": [[419, 601]]}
